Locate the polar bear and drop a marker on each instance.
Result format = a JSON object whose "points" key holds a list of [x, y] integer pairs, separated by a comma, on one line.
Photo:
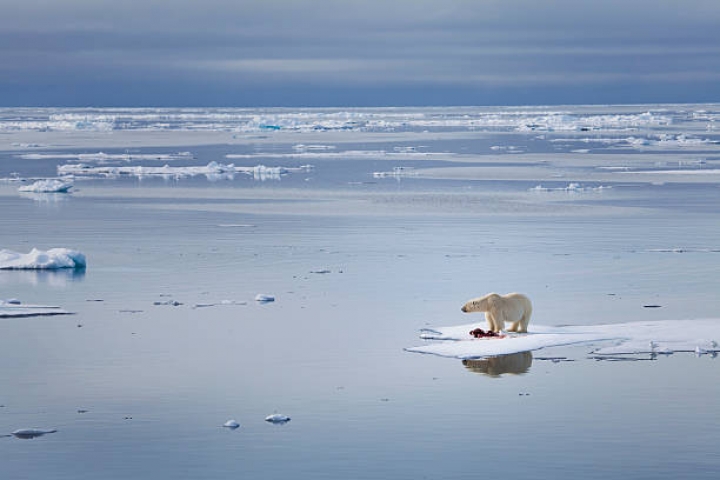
{"points": [[513, 307]]}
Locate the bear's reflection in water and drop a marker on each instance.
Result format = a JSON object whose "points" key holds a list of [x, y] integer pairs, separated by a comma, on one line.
{"points": [[516, 364]]}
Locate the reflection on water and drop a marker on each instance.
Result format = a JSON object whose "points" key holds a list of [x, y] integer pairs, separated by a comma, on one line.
{"points": [[30, 433], [45, 198], [55, 278], [516, 364]]}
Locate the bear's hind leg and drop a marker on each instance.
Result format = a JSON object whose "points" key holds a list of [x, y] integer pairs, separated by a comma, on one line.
{"points": [[523, 324]]}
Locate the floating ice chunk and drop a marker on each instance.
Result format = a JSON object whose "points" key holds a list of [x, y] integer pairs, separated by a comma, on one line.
{"points": [[54, 258], [396, 172], [571, 188], [277, 418], [263, 298], [212, 170], [232, 302], [171, 302], [262, 173], [26, 433], [408, 149], [13, 308], [221, 302], [102, 157], [304, 148], [51, 185], [231, 424]]}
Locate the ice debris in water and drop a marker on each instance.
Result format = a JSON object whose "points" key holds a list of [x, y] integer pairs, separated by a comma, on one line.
{"points": [[171, 302], [277, 418], [571, 188], [13, 308], [396, 172], [231, 424], [52, 259], [26, 433], [262, 298], [50, 185]]}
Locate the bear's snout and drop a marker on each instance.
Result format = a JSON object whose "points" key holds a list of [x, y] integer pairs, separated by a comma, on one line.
{"points": [[464, 308]]}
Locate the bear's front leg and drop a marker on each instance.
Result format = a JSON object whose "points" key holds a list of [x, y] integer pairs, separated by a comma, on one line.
{"points": [[494, 323]]}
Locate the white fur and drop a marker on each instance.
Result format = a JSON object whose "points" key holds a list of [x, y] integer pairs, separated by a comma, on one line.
{"points": [[513, 307]]}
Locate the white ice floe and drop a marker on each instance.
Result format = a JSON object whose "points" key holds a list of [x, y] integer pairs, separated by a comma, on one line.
{"points": [[221, 302], [102, 157], [403, 153], [669, 141], [305, 148], [683, 250], [263, 298], [571, 188], [277, 418], [52, 259], [657, 337], [13, 308], [231, 424], [212, 170], [50, 185], [397, 172]]}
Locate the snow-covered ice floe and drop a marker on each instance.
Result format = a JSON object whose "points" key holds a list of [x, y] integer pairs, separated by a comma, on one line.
{"points": [[231, 424], [52, 259], [656, 337], [212, 168], [50, 185], [16, 309], [102, 157], [397, 172], [571, 188], [277, 418], [264, 298]]}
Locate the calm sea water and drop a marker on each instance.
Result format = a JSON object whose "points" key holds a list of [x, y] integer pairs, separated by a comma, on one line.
{"points": [[358, 264]]}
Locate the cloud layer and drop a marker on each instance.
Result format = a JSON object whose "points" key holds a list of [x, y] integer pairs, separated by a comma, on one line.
{"points": [[321, 52]]}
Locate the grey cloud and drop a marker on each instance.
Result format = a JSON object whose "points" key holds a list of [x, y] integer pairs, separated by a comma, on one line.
{"points": [[345, 45]]}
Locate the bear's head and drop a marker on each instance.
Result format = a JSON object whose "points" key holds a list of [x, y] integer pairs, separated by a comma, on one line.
{"points": [[482, 304]]}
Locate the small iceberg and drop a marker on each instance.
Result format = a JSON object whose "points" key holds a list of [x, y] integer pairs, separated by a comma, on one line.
{"points": [[51, 185], [231, 424], [277, 418], [27, 433], [262, 298], [52, 259]]}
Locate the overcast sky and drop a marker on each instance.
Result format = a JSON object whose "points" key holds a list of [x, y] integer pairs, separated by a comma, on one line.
{"points": [[357, 53]]}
